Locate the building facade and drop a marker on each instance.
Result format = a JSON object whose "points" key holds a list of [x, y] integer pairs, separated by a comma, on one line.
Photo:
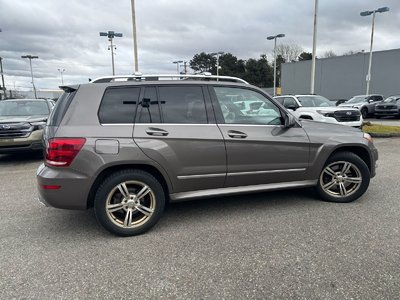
{"points": [[345, 76]]}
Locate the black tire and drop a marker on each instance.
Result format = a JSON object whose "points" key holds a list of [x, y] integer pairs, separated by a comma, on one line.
{"points": [[359, 169], [364, 112], [150, 206]]}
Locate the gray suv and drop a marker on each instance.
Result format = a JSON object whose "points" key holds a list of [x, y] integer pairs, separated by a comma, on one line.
{"points": [[127, 145]]}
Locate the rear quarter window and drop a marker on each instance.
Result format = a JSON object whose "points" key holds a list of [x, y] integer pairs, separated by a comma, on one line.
{"points": [[118, 105]]}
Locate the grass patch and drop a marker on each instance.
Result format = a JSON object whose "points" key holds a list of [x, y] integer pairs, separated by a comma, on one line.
{"points": [[377, 128]]}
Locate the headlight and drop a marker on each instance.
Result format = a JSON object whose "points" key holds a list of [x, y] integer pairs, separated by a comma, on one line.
{"points": [[368, 137], [39, 125], [325, 113]]}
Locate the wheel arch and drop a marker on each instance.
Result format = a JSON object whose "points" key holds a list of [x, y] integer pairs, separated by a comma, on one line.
{"points": [[360, 151], [115, 168]]}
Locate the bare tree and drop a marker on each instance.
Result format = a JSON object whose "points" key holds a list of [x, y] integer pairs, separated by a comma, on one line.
{"points": [[329, 53], [289, 52]]}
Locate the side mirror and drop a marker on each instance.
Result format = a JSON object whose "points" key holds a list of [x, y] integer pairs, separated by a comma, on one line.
{"points": [[370, 100], [292, 107], [290, 121]]}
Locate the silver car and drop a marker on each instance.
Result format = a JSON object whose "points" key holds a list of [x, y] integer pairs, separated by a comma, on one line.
{"points": [[364, 103], [127, 145]]}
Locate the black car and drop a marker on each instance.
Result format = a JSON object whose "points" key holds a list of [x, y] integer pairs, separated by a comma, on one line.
{"points": [[389, 107]]}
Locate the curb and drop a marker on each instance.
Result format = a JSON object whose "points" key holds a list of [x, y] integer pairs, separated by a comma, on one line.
{"points": [[384, 135]]}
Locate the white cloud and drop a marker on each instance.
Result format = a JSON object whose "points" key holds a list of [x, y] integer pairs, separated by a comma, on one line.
{"points": [[66, 33]]}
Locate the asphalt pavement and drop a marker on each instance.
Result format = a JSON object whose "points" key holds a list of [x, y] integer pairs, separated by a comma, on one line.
{"points": [[277, 245]]}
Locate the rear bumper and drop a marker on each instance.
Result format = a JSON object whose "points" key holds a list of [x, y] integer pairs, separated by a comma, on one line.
{"points": [[72, 192]]}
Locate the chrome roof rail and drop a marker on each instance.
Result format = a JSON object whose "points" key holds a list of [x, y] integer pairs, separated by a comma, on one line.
{"points": [[141, 77]]}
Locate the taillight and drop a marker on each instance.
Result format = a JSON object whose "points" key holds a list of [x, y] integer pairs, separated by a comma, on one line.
{"points": [[60, 152]]}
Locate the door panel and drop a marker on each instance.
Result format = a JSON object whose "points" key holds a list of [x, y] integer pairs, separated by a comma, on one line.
{"points": [[182, 141], [193, 155], [259, 148]]}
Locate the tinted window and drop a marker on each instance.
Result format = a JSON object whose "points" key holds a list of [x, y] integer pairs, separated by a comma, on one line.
{"points": [[183, 104], [60, 108], [290, 102], [149, 108], [118, 105], [231, 99]]}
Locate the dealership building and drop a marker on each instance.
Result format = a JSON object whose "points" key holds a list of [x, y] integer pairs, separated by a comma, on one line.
{"points": [[345, 76]]}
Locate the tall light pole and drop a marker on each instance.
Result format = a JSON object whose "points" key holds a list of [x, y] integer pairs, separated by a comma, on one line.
{"points": [[177, 64], [217, 54], [274, 37], [314, 49], [111, 35], [61, 70], [134, 36], [30, 57], [364, 14]]}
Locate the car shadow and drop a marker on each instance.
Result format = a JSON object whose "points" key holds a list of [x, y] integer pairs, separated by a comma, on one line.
{"points": [[176, 215], [25, 157]]}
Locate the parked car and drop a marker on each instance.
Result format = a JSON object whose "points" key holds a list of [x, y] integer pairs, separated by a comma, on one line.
{"points": [[21, 124], [389, 107], [128, 147], [319, 108], [366, 104]]}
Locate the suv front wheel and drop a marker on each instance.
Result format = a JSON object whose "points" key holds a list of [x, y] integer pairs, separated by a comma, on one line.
{"points": [[344, 178], [129, 202]]}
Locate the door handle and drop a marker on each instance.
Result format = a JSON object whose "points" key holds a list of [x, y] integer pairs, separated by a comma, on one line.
{"points": [[156, 131], [237, 134]]}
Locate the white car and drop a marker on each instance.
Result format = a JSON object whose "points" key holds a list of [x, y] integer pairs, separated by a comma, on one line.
{"points": [[318, 108]]}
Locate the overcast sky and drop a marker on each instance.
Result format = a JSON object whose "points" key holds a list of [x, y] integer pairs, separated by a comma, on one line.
{"points": [[65, 34]]}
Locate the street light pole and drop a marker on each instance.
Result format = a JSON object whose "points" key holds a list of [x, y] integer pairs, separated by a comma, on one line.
{"points": [[134, 36], [61, 70], [111, 35], [364, 14], [30, 57], [177, 65], [314, 49], [274, 37], [217, 54]]}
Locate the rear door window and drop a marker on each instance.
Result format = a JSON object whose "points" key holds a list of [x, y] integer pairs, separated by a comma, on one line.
{"points": [[183, 104], [118, 105]]}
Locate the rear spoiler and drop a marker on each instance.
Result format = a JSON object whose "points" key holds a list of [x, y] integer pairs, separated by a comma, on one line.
{"points": [[69, 88]]}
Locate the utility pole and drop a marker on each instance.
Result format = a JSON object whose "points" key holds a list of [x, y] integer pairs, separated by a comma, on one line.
{"points": [[30, 57], [185, 67], [312, 88], [177, 65], [274, 37], [3, 87], [134, 36], [111, 35]]}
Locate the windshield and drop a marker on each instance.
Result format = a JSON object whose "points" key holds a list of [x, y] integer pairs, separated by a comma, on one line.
{"points": [[23, 108], [357, 99], [314, 101], [392, 99]]}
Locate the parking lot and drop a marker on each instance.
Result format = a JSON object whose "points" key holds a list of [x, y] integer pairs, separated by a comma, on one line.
{"points": [[271, 245]]}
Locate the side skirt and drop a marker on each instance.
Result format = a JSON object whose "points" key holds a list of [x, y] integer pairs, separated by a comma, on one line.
{"points": [[241, 190]]}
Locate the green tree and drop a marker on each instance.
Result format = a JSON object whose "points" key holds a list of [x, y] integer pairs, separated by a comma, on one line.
{"points": [[203, 62], [305, 56]]}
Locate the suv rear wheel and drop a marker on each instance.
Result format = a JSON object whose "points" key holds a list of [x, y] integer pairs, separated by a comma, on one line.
{"points": [[345, 178], [129, 202]]}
